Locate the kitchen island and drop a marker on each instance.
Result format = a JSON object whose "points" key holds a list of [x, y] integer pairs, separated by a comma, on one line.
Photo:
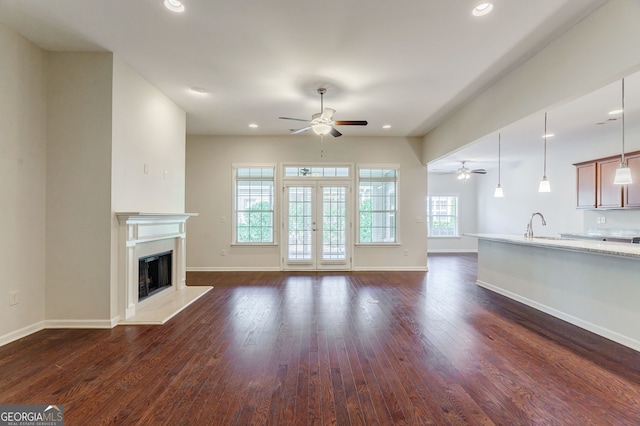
{"points": [[592, 284]]}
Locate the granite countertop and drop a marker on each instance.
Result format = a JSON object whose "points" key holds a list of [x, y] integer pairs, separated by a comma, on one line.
{"points": [[607, 248], [599, 236]]}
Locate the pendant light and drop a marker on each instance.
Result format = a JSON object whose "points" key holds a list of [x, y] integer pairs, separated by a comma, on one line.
{"points": [[545, 186], [498, 192], [623, 173]]}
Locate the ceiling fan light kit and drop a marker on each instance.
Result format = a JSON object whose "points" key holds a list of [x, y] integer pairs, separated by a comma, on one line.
{"points": [[464, 173], [463, 176], [322, 122], [321, 129]]}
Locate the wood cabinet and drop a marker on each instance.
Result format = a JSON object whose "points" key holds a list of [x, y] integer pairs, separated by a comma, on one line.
{"points": [[586, 191], [595, 187], [632, 191], [609, 194]]}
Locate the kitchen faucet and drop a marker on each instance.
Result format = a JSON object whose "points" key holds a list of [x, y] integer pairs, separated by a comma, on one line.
{"points": [[529, 233]]}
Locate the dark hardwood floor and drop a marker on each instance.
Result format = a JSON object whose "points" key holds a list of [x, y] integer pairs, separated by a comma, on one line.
{"points": [[358, 348]]}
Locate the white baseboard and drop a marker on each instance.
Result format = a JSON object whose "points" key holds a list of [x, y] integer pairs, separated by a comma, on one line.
{"points": [[23, 332], [232, 269], [42, 325], [271, 269], [452, 251], [78, 324], [601, 331], [391, 268]]}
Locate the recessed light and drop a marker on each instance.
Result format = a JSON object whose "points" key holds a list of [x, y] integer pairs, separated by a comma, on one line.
{"points": [[174, 5], [253, 125], [482, 9], [386, 126], [198, 90], [615, 111]]}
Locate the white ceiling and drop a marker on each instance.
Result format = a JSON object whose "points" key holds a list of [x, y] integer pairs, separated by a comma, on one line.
{"points": [[406, 63], [584, 125]]}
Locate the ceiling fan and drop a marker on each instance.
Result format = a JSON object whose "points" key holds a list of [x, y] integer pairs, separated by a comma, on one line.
{"points": [[464, 172], [322, 122]]}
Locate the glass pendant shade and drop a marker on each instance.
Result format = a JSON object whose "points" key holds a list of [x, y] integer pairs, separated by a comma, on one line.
{"points": [[498, 192], [545, 185], [321, 129], [623, 175]]}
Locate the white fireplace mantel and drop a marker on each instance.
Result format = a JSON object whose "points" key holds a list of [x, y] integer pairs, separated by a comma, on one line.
{"points": [[138, 231]]}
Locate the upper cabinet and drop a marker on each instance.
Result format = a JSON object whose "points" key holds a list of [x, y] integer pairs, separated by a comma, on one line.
{"points": [[595, 187], [632, 191], [609, 194], [586, 177]]}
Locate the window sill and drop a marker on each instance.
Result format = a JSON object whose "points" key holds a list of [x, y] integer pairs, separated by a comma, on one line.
{"points": [[394, 244], [446, 237]]}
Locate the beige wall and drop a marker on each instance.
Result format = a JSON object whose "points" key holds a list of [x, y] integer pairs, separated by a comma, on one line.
{"points": [[22, 184], [79, 187], [77, 129], [148, 129], [209, 193], [599, 50], [106, 123]]}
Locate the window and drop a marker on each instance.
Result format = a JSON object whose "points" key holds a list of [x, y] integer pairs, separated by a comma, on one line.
{"points": [[442, 215], [254, 201], [377, 205], [317, 171]]}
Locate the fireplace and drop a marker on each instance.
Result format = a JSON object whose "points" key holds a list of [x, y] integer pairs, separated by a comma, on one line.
{"points": [[154, 274], [143, 238]]}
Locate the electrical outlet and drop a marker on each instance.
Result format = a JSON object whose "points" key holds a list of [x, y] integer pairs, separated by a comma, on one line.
{"points": [[223, 252], [406, 252], [13, 298]]}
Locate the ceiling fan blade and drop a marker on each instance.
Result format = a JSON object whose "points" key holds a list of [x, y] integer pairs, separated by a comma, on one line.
{"points": [[479, 171], [297, 119], [327, 113], [335, 133], [304, 129], [351, 123]]}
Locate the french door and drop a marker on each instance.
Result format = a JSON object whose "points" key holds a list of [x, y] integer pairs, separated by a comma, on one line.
{"points": [[317, 225]]}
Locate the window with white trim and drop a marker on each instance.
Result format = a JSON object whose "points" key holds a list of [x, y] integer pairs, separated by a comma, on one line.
{"points": [[254, 204], [377, 205], [442, 215], [316, 171]]}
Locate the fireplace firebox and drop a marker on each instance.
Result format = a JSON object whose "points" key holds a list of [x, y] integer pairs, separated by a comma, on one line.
{"points": [[154, 274]]}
